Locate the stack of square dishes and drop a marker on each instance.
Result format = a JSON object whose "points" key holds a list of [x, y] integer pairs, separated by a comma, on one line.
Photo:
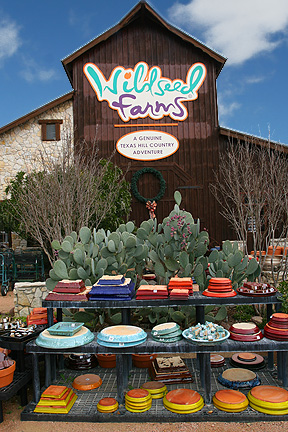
{"points": [[207, 334], [247, 360], [219, 287], [256, 289], [121, 336], [245, 332], [177, 283], [112, 288], [107, 405], [87, 382], [269, 399], [152, 292], [138, 400], [69, 290], [166, 333], [56, 400], [170, 370], [157, 389], [183, 401], [277, 327], [216, 360], [236, 378], [65, 335], [230, 400]]}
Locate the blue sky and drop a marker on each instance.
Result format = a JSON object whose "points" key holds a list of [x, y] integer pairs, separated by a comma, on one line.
{"points": [[252, 34]]}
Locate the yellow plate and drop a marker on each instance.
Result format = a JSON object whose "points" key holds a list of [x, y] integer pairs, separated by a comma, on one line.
{"points": [[268, 405], [155, 391], [234, 409], [179, 407], [107, 408], [185, 412], [160, 396], [138, 406], [107, 411], [229, 406], [147, 398], [137, 410], [267, 411]]}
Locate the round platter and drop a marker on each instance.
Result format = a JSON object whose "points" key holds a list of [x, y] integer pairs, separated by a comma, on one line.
{"points": [[276, 330], [251, 293], [87, 382], [244, 328], [247, 337], [183, 401], [120, 344], [107, 404], [230, 400], [82, 337], [122, 333], [187, 335], [166, 328], [138, 395], [220, 281], [216, 360], [247, 360], [271, 396], [208, 293], [236, 378]]}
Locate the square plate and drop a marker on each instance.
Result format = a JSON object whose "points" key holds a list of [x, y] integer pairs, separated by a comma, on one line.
{"points": [[65, 328]]}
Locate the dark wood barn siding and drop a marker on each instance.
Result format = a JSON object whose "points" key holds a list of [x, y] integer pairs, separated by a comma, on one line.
{"points": [[193, 164]]}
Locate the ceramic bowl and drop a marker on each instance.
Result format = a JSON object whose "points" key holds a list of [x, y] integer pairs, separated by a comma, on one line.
{"points": [[122, 333], [46, 340]]}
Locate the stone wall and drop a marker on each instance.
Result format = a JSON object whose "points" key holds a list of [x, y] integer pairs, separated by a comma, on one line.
{"points": [[20, 144], [28, 295]]}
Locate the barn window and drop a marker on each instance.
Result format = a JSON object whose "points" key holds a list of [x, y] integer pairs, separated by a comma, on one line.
{"points": [[50, 129]]}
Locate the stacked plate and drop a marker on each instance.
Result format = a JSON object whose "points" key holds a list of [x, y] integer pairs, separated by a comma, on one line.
{"points": [[166, 333], [121, 336], [219, 287], [87, 382], [138, 400], [170, 370], [216, 360], [177, 283], [277, 327], [236, 378], [269, 399], [230, 400], [107, 405], [152, 292], [157, 389], [247, 360], [245, 332], [256, 289], [183, 401], [112, 288]]}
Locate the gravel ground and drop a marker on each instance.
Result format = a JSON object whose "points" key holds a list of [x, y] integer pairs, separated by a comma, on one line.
{"points": [[12, 411]]}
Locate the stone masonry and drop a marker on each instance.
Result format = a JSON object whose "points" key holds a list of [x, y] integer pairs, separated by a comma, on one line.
{"points": [[28, 295]]}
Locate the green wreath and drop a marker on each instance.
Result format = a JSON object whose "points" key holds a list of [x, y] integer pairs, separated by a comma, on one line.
{"points": [[135, 179]]}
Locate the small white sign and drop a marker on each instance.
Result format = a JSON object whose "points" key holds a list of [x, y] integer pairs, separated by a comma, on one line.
{"points": [[147, 145]]}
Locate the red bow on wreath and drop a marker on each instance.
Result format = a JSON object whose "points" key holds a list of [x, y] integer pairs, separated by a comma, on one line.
{"points": [[151, 206]]}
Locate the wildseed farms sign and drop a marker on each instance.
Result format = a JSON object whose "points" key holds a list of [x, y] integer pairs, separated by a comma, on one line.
{"points": [[143, 91]]}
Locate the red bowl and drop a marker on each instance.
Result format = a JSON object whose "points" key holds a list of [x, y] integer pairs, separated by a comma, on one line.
{"points": [[244, 328], [246, 338]]}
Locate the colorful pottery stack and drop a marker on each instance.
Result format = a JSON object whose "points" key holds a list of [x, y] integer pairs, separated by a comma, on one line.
{"points": [[56, 400], [7, 369], [236, 378], [87, 382], [269, 400], [69, 290], [166, 333], [54, 337], [219, 287], [138, 400], [121, 336], [256, 289], [247, 360], [107, 360], [143, 360], [107, 405], [183, 401], [178, 288], [81, 361], [216, 360], [277, 327], [206, 334], [245, 332], [230, 400], [38, 316], [170, 370], [112, 288], [157, 389], [152, 292]]}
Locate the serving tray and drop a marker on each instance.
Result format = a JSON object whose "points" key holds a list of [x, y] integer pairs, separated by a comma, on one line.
{"points": [[65, 328]]}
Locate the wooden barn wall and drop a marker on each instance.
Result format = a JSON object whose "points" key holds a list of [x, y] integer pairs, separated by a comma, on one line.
{"points": [[190, 169]]}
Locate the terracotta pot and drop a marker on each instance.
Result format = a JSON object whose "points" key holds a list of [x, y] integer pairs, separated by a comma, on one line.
{"points": [[143, 360], [107, 360], [6, 375], [277, 251]]}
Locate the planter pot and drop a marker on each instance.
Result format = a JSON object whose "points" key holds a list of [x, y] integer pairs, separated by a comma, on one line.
{"points": [[143, 360], [6, 375], [277, 251], [107, 360]]}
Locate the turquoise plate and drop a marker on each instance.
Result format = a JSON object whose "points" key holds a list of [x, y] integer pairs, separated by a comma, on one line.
{"points": [[82, 337], [65, 328], [122, 333], [120, 344]]}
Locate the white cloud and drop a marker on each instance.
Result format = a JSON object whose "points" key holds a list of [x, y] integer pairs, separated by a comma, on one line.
{"points": [[240, 29], [33, 72], [227, 109], [9, 38]]}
